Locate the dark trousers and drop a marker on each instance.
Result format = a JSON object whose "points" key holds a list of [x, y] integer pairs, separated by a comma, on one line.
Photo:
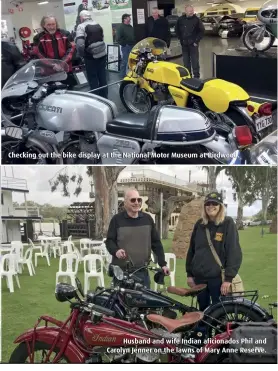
{"points": [[190, 54], [124, 62], [211, 294], [96, 75], [70, 81]]}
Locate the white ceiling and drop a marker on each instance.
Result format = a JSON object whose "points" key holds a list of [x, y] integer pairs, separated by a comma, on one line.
{"points": [[6, 4]]}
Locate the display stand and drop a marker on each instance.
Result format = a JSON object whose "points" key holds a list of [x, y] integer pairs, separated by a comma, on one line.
{"points": [[256, 73], [113, 57]]}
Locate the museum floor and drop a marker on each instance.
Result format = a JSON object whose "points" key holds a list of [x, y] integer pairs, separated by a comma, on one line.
{"points": [[208, 45]]}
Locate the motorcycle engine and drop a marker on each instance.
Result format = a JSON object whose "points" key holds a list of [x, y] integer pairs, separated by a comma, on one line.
{"points": [[161, 91]]}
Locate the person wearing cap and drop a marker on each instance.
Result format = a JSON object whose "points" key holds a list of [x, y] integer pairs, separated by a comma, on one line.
{"points": [[126, 38], [201, 266], [91, 47], [132, 236]]}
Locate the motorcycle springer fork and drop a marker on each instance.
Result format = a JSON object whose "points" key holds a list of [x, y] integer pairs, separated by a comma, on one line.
{"points": [[66, 331]]}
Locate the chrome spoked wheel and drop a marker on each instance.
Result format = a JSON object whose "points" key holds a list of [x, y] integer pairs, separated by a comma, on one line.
{"points": [[136, 99]]}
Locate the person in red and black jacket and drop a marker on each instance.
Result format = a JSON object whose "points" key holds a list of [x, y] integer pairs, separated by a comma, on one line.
{"points": [[55, 43]]}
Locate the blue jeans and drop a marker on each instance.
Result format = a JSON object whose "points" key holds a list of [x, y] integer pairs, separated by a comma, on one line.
{"points": [[96, 75], [211, 294], [124, 62]]}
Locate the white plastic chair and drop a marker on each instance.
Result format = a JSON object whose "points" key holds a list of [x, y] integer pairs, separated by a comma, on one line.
{"points": [[55, 248], [34, 247], [71, 260], [90, 261], [80, 258], [168, 258], [70, 238], [84, 245], [68, 247], [28, 261], [17, 249], [8, 270], [44, 254]]}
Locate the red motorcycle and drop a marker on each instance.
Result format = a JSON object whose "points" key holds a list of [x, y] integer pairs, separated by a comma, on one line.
{"points": [[91, 335]]}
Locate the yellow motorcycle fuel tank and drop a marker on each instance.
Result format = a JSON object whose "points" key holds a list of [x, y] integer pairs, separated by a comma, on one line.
{"points": [[166, 73]]}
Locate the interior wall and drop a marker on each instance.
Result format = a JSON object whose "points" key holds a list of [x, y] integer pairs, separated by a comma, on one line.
{"points": [[31, 17]]}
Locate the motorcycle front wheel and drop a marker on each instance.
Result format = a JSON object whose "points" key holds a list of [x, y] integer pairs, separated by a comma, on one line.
{"points": [[135, 99], [21, 354], [260, 47], [34, 155]]}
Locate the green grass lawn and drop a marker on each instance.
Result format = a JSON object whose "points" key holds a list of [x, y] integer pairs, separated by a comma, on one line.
{"points": [[21, 309]]}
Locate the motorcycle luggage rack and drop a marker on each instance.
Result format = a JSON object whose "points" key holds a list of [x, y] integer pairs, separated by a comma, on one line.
{"points": [[252, 294]]}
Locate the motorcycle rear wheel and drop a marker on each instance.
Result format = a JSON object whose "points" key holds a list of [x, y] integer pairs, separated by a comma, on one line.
{"points": [[20, 354], [126, 90], [231, 313], [247, 40]]}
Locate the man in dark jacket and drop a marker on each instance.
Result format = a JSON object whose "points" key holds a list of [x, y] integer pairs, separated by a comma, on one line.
{"points": [[12, 60], [131, 237], [158, 26], [55, 43], [190, 30], [90, 45], [126, 38]]}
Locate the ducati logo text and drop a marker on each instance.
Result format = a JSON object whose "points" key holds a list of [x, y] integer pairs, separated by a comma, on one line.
{"points": [[55, 109]]}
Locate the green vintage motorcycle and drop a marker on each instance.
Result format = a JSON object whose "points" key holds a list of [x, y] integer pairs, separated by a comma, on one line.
{"points": [[262, 35]]}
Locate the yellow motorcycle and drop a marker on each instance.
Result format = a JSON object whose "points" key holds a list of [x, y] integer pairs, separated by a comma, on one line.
{"points": [[152, 80]]}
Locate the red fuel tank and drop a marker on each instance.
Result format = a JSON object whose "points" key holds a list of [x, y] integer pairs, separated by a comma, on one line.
{"points": [[102, 334]]}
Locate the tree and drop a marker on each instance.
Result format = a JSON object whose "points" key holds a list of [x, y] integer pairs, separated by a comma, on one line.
{"points": [[169, 205], [242, 179], [265, 187], [106, 194], [212, 172]]}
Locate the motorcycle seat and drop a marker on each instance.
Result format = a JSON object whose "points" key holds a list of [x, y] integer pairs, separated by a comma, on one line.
{"points": [[172, 325], [193, 84], [131, 125], [140, 125], [186, 292]]}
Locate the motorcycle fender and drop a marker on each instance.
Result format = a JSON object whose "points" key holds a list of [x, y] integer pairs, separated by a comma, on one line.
{"points": [[217, 94], [142, 83], [244, 303], [213, 345], [48, 335], [180, 96]]}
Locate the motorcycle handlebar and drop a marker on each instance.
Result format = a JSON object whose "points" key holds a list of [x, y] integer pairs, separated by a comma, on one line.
{"points": [[103, 310]]}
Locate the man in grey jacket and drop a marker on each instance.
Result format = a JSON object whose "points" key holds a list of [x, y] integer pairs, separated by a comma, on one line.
{"points": [[91, 47]]}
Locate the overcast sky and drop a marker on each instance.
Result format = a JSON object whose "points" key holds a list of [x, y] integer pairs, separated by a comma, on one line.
{"points": [[39, 188]]}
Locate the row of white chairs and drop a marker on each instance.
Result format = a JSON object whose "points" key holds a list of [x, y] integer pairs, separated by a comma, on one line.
{"points": [[91, 269]]}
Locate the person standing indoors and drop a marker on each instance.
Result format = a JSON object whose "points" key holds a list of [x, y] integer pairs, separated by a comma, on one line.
{"points": [[132, 236], [91, 47], [12, 60], [55, 43], [158, 27], [201, 267], [190, 30], [126, 38]]}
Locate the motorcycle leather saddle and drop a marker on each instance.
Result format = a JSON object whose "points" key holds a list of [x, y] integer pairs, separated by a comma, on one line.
{"points": [[186, 292], [171, 325], [141, 125]]}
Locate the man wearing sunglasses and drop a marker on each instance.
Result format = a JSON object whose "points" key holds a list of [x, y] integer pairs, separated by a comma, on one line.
{"points": [[132, 236]]}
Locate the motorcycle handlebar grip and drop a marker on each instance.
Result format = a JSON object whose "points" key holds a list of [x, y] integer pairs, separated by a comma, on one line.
{"points": [[103, 310], [128, 291]]}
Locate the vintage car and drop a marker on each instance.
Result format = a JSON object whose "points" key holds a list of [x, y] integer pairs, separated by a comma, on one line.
{"points": [[211, 24], [231, 26]]}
